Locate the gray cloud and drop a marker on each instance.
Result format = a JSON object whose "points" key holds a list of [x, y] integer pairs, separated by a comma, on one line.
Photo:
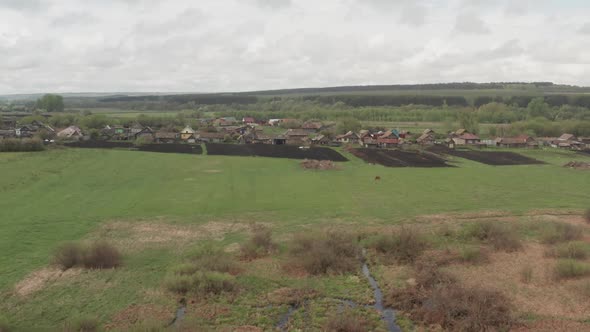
{"points": [[471, 24], [235, 45]]}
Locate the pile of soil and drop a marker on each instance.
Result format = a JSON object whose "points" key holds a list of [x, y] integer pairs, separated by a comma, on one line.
{"points": [[398, 158], [577, 165], [494, 158], [273, 151], [318, 164]]}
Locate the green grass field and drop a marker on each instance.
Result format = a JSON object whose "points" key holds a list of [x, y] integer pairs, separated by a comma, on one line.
{"points": [[69, 194]]}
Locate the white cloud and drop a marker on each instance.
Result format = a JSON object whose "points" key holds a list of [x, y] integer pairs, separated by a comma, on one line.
{"points": [[235, 45]]}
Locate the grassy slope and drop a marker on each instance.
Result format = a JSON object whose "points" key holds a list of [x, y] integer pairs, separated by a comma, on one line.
{"points": [[54, 196]]}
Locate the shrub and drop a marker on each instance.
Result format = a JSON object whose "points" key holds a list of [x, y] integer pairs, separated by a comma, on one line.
{"points": [[573, 250], [569, 268], [560, 232], [325, 253], [259, 245], [458, 308], [180, 284], [82, 324], [68, 255], [587, 216], [526, 274], [404, 246], [101, 255], [4, 326], [437, 299], [348, 321], [496, 234], [210, 258], [474, 255], [206, 283]]}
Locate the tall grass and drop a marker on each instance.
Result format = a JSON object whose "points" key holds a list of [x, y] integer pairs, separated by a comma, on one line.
{"points": [[573, 250], [499, 235], [325, 253], [260, 243], [560, 232], [569, 269], [97, 255], [404, 246]]}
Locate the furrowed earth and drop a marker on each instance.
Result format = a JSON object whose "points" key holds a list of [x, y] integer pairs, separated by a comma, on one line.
{"points": [[161, 210]]}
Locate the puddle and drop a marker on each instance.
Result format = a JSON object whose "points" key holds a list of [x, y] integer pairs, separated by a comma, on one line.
{"points": [[180, 312], [284, 321], [387, 314]]}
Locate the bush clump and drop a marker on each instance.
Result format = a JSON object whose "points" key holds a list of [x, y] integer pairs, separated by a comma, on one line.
{"points": [[572, 250], [259, 245], [210, 258], [325, 253], [560, 232], [98, 255], [404, 246], [438, 299], [474, 255], [208, 272], [569, 269], [496, 234], [348, 321], [82, 324]]}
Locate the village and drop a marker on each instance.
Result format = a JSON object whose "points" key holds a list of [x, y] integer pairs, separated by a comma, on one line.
{"points": [[310, 133]]}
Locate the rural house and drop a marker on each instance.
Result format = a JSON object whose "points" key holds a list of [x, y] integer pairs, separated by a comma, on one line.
{"points": [[225, 122], [207, 137], [296, 136], [348, 138], [463, 137], [25, 131], [248, 120], [568, 141], [186, 133], [146, 133], [387, 142], [522, 141], [312, 126], [71, 132], [369, 142], [165, 137], [320, 140], [7, 133], [427, 137]]}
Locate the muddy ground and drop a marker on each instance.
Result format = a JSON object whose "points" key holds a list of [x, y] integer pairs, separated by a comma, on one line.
{"points": [[494, 158], [398, 158], [274, 151]]}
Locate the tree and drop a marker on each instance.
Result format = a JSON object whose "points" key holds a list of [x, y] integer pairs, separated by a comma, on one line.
{"points": [[538, 108], [348, 124], [468, 121], [51, 103]]}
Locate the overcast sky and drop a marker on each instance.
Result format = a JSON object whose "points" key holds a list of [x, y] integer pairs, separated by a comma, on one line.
{"points": [[240, 45]]}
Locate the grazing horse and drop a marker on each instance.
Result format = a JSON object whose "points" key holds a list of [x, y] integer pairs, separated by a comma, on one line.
{"points": [[377, 178]]}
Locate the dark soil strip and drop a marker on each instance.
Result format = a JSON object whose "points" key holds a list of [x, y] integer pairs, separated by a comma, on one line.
{"points": [[584, 152], [399, 158], [273, 151], [164, 148], [495, 158]]}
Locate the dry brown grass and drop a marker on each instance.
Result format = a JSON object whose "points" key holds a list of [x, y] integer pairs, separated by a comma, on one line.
{"points": [[437, 299], [403, 246], [38, 280], [542, 295], [260, 243], [97, 255], [325, 253], [499, 235], [348, 321]]}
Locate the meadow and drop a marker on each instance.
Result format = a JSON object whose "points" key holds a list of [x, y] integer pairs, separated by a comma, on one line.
{"points": [[157, 207]]}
